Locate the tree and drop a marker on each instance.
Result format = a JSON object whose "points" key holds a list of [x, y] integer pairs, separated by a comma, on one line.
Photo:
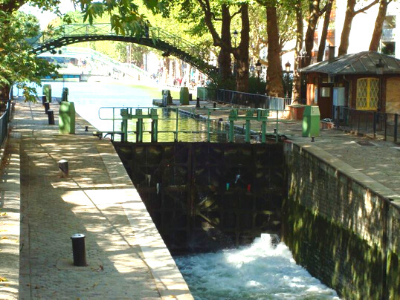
{"points": [[324, 34], [380, 18], [298, 55], [20, 66], [351, 12], [274, 80], [17, 64]]}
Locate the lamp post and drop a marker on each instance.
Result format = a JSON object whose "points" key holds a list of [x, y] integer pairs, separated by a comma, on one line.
{"points": [[235, 35], [258, 69], [287, 71]]}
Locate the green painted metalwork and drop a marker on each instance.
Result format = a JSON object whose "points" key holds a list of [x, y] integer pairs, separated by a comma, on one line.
{"points": [[139, 114], [156, 38]]}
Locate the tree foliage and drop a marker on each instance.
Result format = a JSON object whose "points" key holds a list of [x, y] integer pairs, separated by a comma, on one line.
{"points": [[18, 65]]}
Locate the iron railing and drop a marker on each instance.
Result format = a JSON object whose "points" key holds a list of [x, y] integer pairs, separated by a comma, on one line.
{"points": [[377, 124], [152, 36], [171, 124], [4, 120], [247, 99]]}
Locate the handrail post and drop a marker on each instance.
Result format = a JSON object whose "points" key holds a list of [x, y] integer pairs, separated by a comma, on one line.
{"points": [[247, 137], [263, 131], [396, 118], [277, 125], [208, 126], [176, 125]]}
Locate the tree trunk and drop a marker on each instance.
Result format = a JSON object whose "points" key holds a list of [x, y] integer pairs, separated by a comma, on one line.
{"points": [[350, 14], [297, 63], [380, 18], [274, 82], [224, 57], [324, 34], [312, 25], [241, 53], [348, 19]]}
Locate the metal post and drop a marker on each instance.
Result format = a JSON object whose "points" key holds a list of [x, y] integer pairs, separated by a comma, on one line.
{"points": [[396, 118], [263, 132], [79, 250], [208, 126], [63, 167], [176, 125], [46, 107], [50, 116], [231, 131], [374, 124], [247, 137], [385, 116]]}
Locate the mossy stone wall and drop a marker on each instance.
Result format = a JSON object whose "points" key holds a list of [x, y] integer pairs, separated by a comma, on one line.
{"points": [[339, 229]]}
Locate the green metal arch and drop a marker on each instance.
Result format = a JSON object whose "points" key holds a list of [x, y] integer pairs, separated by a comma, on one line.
{"points": [[153, 37]]}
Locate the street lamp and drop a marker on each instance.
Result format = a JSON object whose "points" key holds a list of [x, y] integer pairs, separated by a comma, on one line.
{"points": [[235, 36], [287, 71], [258, 68]]}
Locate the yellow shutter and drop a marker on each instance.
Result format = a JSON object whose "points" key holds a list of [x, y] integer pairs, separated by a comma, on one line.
{"points": [[367, 94]]}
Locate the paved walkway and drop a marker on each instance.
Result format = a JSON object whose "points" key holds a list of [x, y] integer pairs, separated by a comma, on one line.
{"points": [[126, 257]]}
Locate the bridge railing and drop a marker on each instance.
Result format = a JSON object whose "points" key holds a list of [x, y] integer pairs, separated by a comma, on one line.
{"points": [[151, 124], [151, 36]]}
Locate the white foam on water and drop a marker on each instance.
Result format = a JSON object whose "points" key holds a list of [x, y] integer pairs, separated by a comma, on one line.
{"points": [[258, 271]]}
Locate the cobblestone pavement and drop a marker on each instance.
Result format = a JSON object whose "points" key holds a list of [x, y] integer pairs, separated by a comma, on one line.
{"points": [[126, 257]]}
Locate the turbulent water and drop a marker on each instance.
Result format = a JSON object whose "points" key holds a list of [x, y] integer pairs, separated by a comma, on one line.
{"points": [[259, 271]]}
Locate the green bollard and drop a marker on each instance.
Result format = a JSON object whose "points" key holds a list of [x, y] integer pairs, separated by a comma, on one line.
{"points": [[66, 118], [184, 96], [64, 95], [47, 92]]}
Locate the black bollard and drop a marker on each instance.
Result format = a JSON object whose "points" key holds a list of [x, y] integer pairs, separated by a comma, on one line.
{"points": [[79, 250], [46, 107], [44, 100], [50, 115], [198, 102], [215, 105], [63, 166], [86, 128]]}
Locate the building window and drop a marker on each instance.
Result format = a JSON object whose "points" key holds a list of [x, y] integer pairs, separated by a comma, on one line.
{"points": [[367, 94]]}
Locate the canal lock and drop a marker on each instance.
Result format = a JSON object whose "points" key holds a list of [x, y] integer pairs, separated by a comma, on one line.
{"points": [[208, 196]]}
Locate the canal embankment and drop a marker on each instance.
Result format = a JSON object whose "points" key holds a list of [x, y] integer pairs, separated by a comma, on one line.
{"points": [[43, 207]]}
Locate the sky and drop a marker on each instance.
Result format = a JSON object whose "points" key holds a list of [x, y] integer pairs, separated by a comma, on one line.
{"points": [[46, 17]]}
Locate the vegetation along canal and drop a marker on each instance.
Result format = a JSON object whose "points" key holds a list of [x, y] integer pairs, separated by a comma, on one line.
{"points": [[259, 270]]}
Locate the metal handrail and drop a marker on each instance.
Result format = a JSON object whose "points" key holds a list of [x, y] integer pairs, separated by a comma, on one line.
{"points": [[207, 117], [156, 34]]}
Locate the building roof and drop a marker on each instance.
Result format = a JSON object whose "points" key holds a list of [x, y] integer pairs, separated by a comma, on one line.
{"points": [[358, 63]]}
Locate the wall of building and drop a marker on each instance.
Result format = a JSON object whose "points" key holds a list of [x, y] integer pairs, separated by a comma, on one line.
{"points": [[337, 227]]}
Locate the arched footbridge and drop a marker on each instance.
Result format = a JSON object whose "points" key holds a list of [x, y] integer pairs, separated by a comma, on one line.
{"points": [[153, 37]]}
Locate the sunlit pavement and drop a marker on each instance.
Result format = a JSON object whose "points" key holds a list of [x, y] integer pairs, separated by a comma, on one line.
{"points": [[42, 208]]}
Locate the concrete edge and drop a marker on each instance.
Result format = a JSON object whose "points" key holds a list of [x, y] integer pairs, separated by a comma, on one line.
{"points": [[168, 279], [10, 217]]}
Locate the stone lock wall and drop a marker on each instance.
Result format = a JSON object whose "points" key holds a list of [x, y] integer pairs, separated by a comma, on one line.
{"points": [[341, 230]]}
